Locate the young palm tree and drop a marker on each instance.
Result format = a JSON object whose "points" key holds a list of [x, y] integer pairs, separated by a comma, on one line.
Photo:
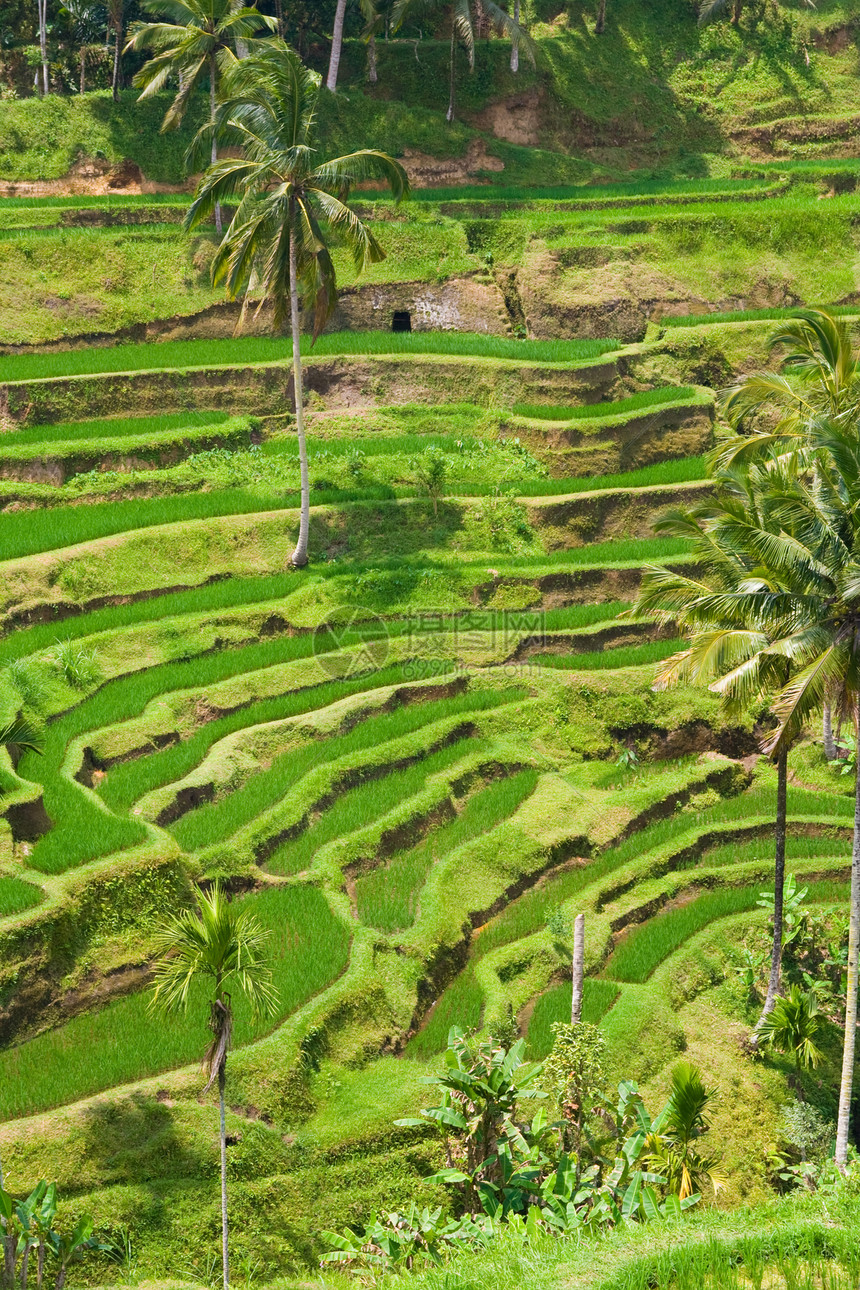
{"points": [[195, 41], [792, 1028], [672, 1148], [19, 736], [224, 945], [291, 206], [731, 644], [461, 25]]}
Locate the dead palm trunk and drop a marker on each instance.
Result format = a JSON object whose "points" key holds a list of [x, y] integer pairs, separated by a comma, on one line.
{"points": [[778, 887], [336, 46], [827, 732], [578, 968], [515, 44], [846, 1084], [299, 557], [213, 72]]}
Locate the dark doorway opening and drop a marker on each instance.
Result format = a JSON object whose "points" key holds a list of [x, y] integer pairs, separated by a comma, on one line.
{"points": [[402, 320]]}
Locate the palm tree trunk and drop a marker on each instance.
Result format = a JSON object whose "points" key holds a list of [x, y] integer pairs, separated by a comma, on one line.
{"points": [[372, 74], [515, 44], [43, 41], [578, 967], [213, 72], [222, 1080], [778, 887], [449, 115], [847, 1081], [601, 18], [827, 732], [299, 557], [336, 46], [117, 48], [83, 68]]}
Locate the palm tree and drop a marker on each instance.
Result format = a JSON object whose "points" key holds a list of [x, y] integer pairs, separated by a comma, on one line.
{"points": [[194, 42], [818, 352], [19, 736], [672, 1148], [461, 25], [732, 648], [807, 600], [42, 22], [290, 208], [792, 1027], [224, 945]]}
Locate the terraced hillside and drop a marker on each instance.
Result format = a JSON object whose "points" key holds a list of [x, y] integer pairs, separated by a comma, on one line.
{"points": [[415, 759]]}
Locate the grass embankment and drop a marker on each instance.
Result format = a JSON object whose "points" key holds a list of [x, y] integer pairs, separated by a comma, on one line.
{"points": [[126, 1041]]}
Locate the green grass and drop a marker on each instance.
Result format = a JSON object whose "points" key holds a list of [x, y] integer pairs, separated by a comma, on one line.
{"points": [[154, 356], [16, 896], [554, 1006], [387, 898], [682, 470], [82, 830], [218, 820], [461, 1004], [649, 944], [611, 658], [752, 315], [125, 1041], [360, 806], [587, 411], [113, 427], [128, 781], [527, 195]]}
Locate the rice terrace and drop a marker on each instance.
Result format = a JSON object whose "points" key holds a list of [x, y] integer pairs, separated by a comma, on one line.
{"points": [[429, 644]]}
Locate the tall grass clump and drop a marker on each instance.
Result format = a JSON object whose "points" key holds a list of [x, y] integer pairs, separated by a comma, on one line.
{"points": [[387, 898], [179, 354], [125, 1041]]}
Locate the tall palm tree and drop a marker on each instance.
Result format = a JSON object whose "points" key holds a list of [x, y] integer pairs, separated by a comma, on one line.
{"points": [[809, 606], [224, 945], [458, 16], [818, 352], [194, 41], [291, 206], [733, 649]]}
